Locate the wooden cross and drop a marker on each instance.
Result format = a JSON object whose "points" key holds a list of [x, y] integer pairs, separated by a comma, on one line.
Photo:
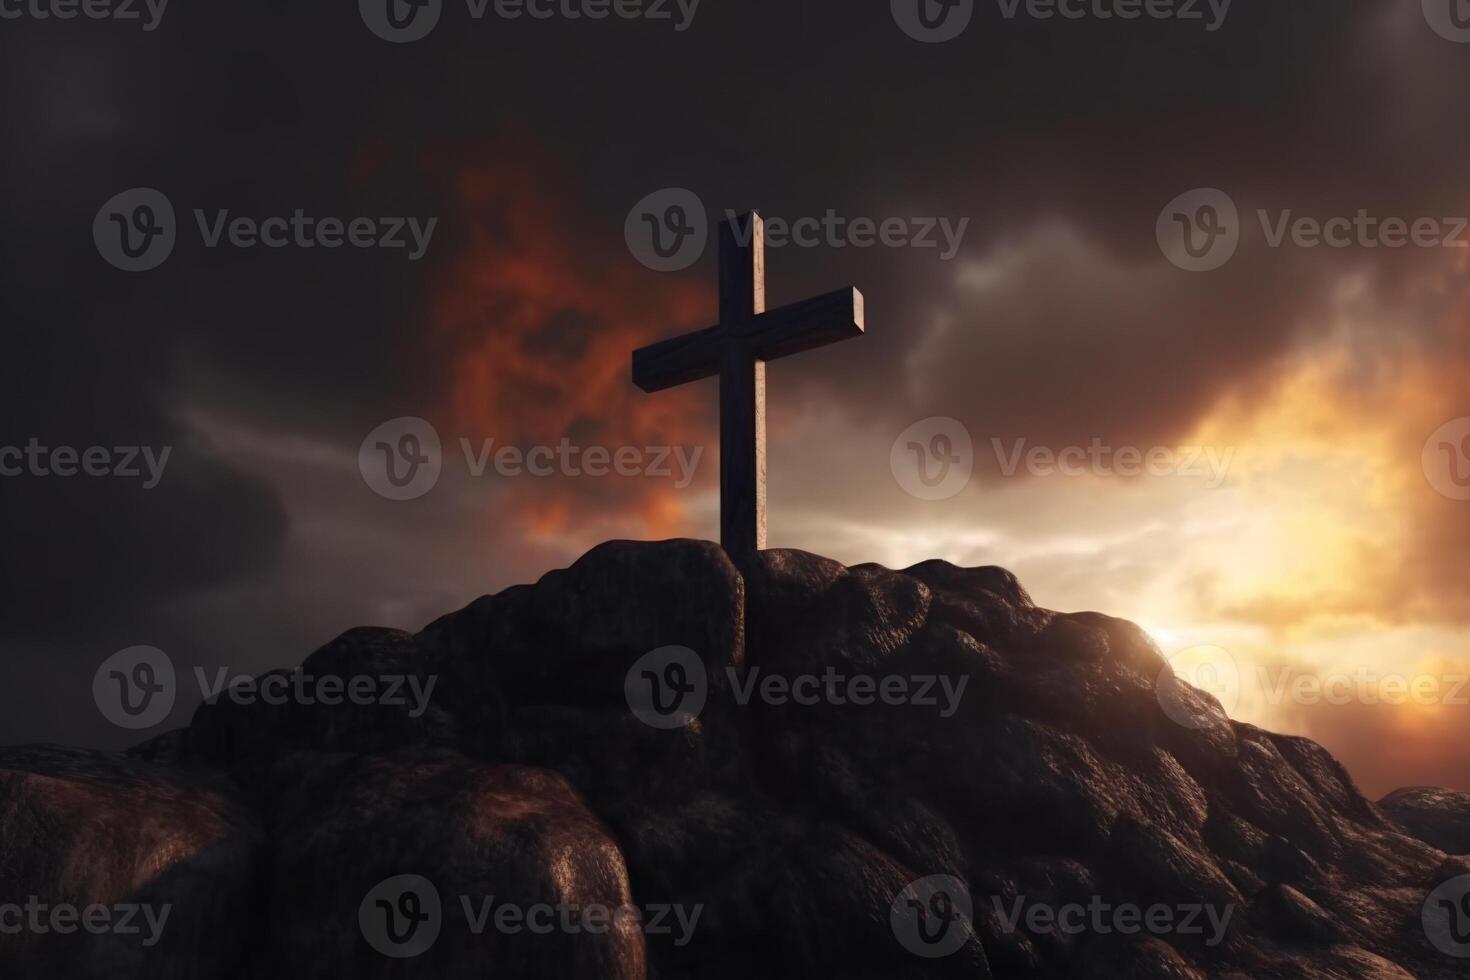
{"points": [[737, 349]]}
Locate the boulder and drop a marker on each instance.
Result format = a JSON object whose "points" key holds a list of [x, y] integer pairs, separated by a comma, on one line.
{"points": [[115, 867], [1438, 817], [859, 772]]}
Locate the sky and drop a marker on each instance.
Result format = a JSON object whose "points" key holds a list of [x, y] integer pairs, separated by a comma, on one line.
{"points": [[1259, 452]]}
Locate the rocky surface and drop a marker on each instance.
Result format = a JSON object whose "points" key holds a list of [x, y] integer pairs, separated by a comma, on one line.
{"points": [[1436, 816], [1017, 757]]}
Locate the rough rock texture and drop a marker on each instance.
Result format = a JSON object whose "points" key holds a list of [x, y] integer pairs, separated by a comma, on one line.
{"points": [[1436, 816], [1054, 778], [87, 828]]}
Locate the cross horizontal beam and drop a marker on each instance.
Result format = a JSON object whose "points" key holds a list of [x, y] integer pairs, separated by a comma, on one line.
{"points": [[778, 333], [737, 349]]}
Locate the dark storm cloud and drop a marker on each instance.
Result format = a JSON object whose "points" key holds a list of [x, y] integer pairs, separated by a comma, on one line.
{"points": [[102, 545]]}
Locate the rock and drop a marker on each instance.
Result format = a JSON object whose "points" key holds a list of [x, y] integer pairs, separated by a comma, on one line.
{"points": [[1288, 915], [171, 854], [571, 638], [865, 734], [1438, 817], [367, 690], [481, 835]]}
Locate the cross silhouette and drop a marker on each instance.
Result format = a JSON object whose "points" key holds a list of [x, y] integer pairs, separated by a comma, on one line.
{"points": [[737, 349]]}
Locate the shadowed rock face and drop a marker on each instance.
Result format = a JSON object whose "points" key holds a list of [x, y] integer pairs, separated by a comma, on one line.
{"points": [[885, 765], [83, 828], [1436, 816]]}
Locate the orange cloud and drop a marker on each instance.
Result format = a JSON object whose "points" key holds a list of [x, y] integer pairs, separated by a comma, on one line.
{"points": [[1330, 461], [537, 317]]}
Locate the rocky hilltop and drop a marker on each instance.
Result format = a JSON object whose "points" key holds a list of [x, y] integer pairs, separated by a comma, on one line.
{"points": [[808, 770]]}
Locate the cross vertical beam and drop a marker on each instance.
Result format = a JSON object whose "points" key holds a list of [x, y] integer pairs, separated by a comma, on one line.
{"points": [[742, 390], [737, 349]]}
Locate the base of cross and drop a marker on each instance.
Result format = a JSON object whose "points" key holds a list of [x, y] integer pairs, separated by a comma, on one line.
{"points": [[737, 349]]}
